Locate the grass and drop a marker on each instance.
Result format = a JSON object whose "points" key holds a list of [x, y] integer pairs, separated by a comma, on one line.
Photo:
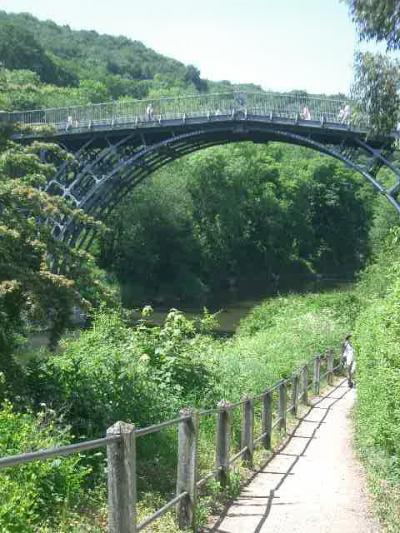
{"points": [[277, 337]]}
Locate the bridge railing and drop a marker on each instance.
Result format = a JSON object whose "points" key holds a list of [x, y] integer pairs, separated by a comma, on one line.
{"points": [[150, 112], [271, 408]]}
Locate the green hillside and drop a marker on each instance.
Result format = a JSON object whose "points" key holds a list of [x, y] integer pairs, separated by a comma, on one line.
{"points": [[77, 67]]}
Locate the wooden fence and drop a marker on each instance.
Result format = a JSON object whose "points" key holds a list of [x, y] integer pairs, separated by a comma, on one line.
{"points": [[120, 441]]}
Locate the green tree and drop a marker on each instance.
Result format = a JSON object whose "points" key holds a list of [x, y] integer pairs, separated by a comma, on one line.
{"points": [[376, 77], [237, 216], [377, 19], [29, 286], [20, 50], [192, 75], [376, 90]]}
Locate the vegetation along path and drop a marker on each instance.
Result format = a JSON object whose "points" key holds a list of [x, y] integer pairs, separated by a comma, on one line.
{"points": [[313, 484]]}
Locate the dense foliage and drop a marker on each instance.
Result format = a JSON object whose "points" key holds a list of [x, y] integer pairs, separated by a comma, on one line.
{"points": [[235, 218], [41, 279], [376, 76], [20, 50], [115, 372], [39, 489], [145, 373], [377, 19], [378, 377], [376, 90]]}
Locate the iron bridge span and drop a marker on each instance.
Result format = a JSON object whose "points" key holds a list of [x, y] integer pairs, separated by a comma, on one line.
{"points": [[117, 144]]}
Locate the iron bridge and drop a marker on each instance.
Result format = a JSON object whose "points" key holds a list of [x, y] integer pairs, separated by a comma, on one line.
{"points": [[116, 145]]}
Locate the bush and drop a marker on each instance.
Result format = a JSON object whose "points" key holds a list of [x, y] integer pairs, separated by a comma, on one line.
{"points": [[378, 409], [113, 372], [377, 336], [39, 489]]}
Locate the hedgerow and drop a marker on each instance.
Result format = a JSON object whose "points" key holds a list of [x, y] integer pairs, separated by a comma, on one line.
{"points": [[377, 414]]}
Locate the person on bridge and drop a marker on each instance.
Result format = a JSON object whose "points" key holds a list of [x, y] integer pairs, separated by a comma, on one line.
{"points": [[149, 112], [348, 360], [70, 123], [344, 114], [305, 114]]}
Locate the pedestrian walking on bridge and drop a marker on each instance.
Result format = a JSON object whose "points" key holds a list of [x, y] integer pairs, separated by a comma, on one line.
{"points": [[149, 112]]}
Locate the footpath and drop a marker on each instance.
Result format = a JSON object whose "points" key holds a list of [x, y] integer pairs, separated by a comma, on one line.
{"points": [[314, 484]]}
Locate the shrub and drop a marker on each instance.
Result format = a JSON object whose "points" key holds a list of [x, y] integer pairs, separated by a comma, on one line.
{"points": [[39, 489], [113, 372], [377, 336]]}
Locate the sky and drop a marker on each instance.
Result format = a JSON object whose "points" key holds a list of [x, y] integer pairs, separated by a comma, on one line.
{"points": [[279, 44]]}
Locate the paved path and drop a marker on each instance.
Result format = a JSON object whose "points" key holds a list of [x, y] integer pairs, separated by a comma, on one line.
{"points": [[313, 485]]}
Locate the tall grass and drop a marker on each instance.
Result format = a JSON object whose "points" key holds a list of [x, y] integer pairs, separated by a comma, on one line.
{"points": [[145, 374], [277, 337]]}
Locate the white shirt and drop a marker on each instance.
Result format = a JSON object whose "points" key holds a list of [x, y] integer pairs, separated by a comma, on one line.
{"points": [[348, 353]]}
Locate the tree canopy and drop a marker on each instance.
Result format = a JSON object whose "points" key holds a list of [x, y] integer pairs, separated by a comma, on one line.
{"points": [[376, 76], [377, 19], [376, 89], [237, 217], [30, 286], [20, 50]]}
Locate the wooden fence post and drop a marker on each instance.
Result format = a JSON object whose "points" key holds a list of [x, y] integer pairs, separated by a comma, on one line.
{"points": [[121, 472], [295, 392], [305, 384], [187, 469], [267, 420], [282, 406], [317, 372], [330, 367], [247, 430], [223, 443]]}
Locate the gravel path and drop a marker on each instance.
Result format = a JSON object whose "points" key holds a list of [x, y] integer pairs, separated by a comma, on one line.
{"points": [[313, 485]]}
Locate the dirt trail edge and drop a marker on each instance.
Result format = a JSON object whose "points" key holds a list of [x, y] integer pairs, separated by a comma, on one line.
{"points": [[313, 485]]}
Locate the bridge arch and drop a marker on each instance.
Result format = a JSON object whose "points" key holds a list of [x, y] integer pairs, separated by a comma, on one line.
{"points": [[115, 146], [128, 172]]}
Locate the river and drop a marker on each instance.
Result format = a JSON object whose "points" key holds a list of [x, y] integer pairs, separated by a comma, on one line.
{"points": [[229, 313], [228, 318]]}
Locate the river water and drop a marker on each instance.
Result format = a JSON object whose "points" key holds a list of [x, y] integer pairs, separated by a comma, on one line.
{"points": [[228, 318], [229, 313]]}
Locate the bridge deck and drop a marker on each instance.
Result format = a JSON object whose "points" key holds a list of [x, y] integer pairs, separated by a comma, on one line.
{"points": [[324, 118], [101, 131]]}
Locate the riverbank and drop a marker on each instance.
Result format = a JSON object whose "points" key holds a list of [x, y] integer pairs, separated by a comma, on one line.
{"points": [[228, 312], [145, 375]]}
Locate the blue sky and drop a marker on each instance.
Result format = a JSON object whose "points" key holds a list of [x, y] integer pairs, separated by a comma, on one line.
{"points": [[278, 44]]}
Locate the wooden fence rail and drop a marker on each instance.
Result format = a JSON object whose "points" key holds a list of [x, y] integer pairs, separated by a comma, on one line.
{"points": [[120, 442]]}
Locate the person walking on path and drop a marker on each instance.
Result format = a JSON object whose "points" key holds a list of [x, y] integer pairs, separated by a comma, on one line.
{"points": [[348, 360]]}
